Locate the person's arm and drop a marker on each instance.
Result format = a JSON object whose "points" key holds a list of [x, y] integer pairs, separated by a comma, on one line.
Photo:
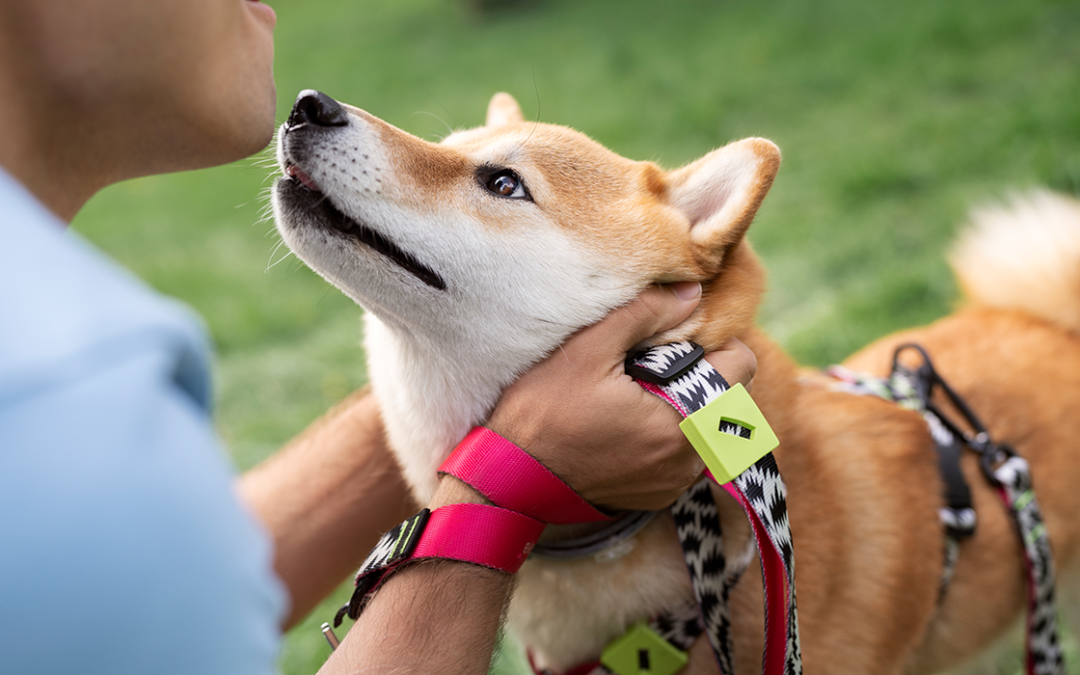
{"points": [[434, 616], [328, 497]]}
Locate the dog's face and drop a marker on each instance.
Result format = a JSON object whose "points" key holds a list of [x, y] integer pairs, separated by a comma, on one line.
{"points": [[530, 230]]}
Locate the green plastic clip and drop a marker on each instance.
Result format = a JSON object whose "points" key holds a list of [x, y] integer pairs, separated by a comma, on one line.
{"points": [[726, 454], [641, 651]]}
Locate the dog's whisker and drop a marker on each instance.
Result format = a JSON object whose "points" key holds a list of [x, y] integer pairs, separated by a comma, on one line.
{"points": [[273, 252], [449, 129], [560, 324], [328, 288], [283, 258], [297, 268]]}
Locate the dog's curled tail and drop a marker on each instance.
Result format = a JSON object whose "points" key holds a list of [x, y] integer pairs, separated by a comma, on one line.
{"points": [[1024, 256]]}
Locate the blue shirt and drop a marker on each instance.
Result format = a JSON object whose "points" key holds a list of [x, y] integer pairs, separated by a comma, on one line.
{"points": [[123, 548]]}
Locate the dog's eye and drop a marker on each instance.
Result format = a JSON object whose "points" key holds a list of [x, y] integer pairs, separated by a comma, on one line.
{"points": [[506, 183]]}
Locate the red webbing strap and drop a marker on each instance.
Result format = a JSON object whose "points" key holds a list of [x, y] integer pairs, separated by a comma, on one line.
{"points": [[472, 533], [775, 588], [479, 534], [587, 668], [513, 479]]}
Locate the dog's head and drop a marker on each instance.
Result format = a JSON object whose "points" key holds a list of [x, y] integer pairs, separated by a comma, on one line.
{"points": [[517, 230]]}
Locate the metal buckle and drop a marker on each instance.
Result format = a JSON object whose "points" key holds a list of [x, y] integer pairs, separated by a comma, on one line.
{"points": [[991, 457], [395, 547]]}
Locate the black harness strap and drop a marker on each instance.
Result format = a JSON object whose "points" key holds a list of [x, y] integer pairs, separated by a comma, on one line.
{"points": [[1004, 469]]}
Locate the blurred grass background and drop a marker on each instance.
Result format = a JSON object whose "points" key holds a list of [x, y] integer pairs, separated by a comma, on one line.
{"points": [[894, 118]]}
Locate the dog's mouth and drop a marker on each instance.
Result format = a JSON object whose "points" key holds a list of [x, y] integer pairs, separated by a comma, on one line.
{"points": [[310, 197]]}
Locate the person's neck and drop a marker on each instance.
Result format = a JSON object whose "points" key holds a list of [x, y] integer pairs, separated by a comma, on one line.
{"points": [[58, 190], [47, 145]]}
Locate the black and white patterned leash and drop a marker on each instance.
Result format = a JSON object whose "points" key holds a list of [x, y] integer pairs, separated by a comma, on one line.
{"points": [[1013, 481], [1010, 475], [677, 373]]}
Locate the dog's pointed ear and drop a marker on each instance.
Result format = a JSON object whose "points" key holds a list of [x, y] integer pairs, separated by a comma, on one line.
{"points": [[503, 109], [721, 192]]}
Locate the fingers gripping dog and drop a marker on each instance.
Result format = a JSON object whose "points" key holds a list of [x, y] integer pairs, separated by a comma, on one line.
{"points": [[476, 256]]}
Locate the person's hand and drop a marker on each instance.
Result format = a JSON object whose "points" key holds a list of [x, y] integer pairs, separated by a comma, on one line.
{"points": [[584, 418]]}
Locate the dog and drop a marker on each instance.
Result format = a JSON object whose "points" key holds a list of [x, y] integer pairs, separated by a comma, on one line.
{"points": [[477, 256]]}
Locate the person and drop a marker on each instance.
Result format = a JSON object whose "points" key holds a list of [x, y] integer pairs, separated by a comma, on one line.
{"points": [[122, 521]]}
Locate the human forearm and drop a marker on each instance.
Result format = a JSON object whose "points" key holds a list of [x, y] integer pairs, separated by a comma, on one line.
{"points": [[434, 616], [326, 498]]}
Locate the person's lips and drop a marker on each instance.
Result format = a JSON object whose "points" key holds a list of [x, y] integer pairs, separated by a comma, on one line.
{"points": [[266, 10]]}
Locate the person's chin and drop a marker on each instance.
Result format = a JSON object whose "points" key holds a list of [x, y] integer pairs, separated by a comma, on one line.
{"points": [[253, 122], [252, 131]]}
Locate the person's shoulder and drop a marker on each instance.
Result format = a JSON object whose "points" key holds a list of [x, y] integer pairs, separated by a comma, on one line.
{"points": [[65, 306], [127, 526], [110, 462]]}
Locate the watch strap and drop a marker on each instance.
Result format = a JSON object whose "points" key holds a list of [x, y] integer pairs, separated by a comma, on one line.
{"points": [[478, 534]]}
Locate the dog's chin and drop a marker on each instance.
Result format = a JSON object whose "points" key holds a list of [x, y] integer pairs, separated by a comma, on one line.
{"points": [[306, 208]]}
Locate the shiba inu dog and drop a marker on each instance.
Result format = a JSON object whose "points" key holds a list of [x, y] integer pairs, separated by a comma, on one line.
{"points": [[476, 256]]}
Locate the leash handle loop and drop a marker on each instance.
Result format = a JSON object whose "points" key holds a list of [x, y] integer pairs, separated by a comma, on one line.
{"points": [[513, 479], [472, 533]]}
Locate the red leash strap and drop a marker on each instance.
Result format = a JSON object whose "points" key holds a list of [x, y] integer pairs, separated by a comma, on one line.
{"points": [[472, 533], [513, 479], [677, 373], [479, 534], [527, 497], [777, 591]]}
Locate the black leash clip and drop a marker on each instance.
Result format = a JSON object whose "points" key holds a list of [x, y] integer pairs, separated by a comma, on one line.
{"points": [[991, 455], [958, 517]]}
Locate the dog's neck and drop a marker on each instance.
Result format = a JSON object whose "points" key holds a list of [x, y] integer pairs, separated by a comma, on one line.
{"points": [[431, 398]]}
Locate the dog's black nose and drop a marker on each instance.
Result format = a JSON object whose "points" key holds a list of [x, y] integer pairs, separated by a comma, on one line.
{"points": [[315, 107]]}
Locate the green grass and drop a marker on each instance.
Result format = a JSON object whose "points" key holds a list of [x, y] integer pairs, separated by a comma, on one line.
{"points": [[894, 118]]}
